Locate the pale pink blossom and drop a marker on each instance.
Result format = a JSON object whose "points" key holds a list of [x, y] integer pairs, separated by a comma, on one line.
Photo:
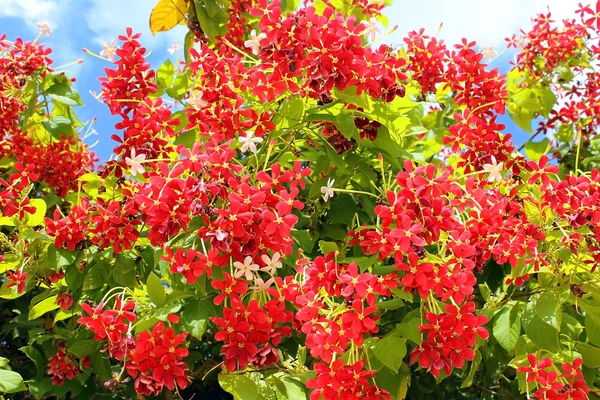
{"points": [[135, 163], [254, 41]]}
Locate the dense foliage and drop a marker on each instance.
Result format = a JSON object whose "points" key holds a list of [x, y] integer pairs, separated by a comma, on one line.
{"points": [[297, 212]]}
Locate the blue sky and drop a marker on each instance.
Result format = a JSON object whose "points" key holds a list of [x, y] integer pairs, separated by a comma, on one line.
{"points": [[88, 23]]}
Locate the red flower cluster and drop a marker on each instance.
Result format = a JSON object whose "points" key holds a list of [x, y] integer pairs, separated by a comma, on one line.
{"points": [[63, 367], [551, 385], [449, 338], [109, 324], [155, 361], [132, 78], [252, 333], [59, 163], [22, 61], [18, 279], [348, 382], [12, 201], [432, 64], [71, 230]]}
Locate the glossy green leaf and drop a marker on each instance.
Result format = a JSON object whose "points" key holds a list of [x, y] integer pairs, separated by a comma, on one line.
{"points": [[37, 358], [64, 94], [166, 74], [85, 348], [156, 290], [540, 333], [101, 365], [328, 247], [535, 150], [11, 382], [590, 354], [241, 387], [195, 317], [59, 125], [43, 307], [507, 328], [390, 351]]}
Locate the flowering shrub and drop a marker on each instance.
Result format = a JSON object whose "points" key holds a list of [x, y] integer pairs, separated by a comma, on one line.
{"points": [[299, 213]]}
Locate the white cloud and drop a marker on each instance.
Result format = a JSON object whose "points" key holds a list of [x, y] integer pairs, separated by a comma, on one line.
{"points": [[109, 18], [486, 21], [32, 11]]}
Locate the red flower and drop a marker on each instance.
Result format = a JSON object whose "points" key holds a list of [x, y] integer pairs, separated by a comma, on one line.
{"points": [[64, 300], [18, 279]]}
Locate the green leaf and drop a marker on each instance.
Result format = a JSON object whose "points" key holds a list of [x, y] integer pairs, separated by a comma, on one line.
{"points": [[535, 150], [328, 247], [390, 351], [590, 354], [592, 330], [392, 304], [58, 125], [37, 218], [43, 307], [145, 324], [291, 113], [349, 95], [519, 117], [37, 358], [291, 388], [11, 382], [507, 328], [241, 387], [166, 74], [304, 239], [187, 138], [74, 277], [196, 315], [124, 272], [408, 328], [212, 26], [85, 348], [156, 290], [97, 276], [468, 381], [548, 308], [188, 43], [345, 124], [343, 208], [591, 308], [163, 312], [101, 366], [64, 94], [540, 333], [9, 292]]}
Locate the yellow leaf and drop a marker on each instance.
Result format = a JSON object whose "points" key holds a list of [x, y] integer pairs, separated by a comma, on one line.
{"points": [[167, 14]]}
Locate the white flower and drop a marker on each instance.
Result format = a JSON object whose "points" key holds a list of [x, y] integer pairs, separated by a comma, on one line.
{"points": [[245, 269], [173, 49], [108, 50], [249, 142], [135, 163], [328, 189], [261, 285], [254, 41], [371, 29], [44, 28], [488, 53], [494, 169], [271, 264], [195, 99]]}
